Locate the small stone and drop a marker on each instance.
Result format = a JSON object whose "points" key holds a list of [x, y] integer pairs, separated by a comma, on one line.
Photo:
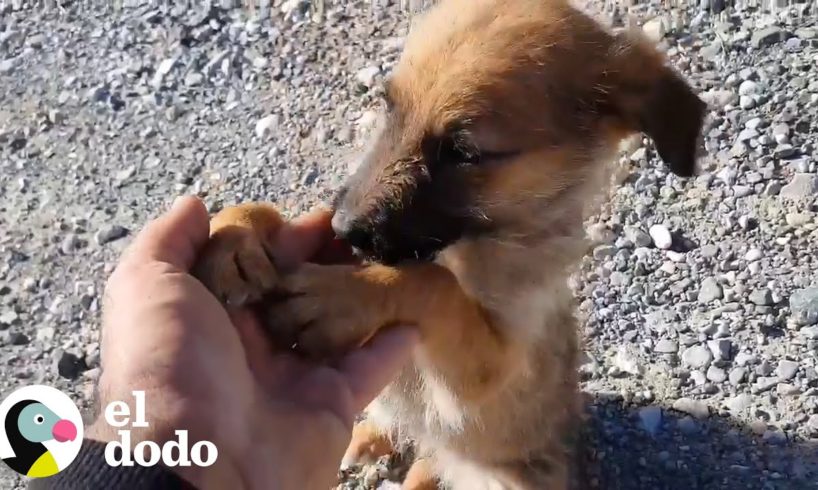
{"points": [[265, 125], [774, 437], [604, 251], [69, 244], [737, 375], [784, 151], [804, 305], [761, 297], [650, 419], [626, 362], [110, 233], [194, 79], [18, 338], [764, 369], [746, 102], [366, 76], [801, 185], [8, 318], [743, 359], [687, 425], [797, 219], [753, 254], [697, 357], [661, 237], [767, 36], [600, 233], [69, 366], [721, 348], [809, 332], [8, 65], [666, 346], [638, 237], [786, 370], [739, 403], [655, 29], [710, 290], [695, 408], [164, 68], [749, 87], [716, 374], [698, 378], [709, 251], [45, 334]]}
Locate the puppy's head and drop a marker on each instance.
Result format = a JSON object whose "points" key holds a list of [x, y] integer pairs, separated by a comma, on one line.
{"points": [[496, 113]]}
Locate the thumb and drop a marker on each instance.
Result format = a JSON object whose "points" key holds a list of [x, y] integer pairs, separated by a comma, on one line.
{"points": [[175, 237], [369, 369]]}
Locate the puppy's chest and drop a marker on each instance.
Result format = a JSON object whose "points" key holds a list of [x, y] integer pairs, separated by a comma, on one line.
{"points": [[419, 406]]}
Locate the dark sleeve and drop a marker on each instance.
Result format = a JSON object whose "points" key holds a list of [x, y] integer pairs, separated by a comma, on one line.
{"points": [[89, 471]]}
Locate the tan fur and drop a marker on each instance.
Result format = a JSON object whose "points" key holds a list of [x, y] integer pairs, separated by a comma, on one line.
{"points": [[491, 397]]}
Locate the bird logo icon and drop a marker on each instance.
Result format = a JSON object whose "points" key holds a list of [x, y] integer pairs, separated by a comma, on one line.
{"points": [[42, 430]]}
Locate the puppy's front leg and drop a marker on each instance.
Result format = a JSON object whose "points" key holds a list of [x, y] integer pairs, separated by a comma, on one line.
{"points": [[333, 309]]}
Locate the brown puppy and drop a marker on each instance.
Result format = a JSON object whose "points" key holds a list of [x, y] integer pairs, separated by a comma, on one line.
{"points": [[500, 118]]}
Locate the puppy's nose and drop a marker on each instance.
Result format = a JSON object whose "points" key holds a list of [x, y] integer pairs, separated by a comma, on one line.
{"points": [[354, 231]]}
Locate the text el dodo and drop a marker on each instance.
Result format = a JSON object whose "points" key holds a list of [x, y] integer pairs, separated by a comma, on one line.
{"points": [[148, 453]]}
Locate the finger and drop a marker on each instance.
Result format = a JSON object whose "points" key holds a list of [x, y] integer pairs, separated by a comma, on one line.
{"points": [[369, 369], [302, 237], [272, 366], [173, 238]]}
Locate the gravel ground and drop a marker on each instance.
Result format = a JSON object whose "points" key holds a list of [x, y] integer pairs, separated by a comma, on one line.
{"points": [[699, 297]]}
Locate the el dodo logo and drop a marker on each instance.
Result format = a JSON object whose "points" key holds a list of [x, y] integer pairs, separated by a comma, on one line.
{"points": [[41, 431]]}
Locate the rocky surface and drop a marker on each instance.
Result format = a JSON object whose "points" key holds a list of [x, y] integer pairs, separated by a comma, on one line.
{"points": [[700, 315]]}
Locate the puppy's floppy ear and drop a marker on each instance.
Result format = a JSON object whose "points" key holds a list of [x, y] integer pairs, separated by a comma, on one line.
{"points": [[650, 97]]}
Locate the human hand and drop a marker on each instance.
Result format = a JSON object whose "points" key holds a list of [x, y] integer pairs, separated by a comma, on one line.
{"points": [[272, 416]]}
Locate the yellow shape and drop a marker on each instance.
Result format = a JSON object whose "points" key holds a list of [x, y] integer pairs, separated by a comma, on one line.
{"points": [[45, 466]]}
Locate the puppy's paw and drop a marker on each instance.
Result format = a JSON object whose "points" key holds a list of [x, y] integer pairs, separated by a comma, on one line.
{"points": [[329, 310], [368, 443], [236, 265]]}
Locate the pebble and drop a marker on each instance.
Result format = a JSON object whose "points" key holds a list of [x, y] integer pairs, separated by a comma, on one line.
{"points": [[739, 403], [697, 357], [626, 362], [710, 290], [69, 366], [17, 338], [695, 408], [761, 297], [767, 36], [366, 76], [801, 185], [650, 419], [721, 348], [265, 126], [753, 254], [110, 233], [749, 87], [804, 305], [737, 375], [8, 318], [666, 346], [638, 237], [69, 244], [716, 374], [786, 370], [661, 237]]}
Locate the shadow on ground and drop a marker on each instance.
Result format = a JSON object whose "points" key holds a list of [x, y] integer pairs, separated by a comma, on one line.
{"points": [[636, 448]]}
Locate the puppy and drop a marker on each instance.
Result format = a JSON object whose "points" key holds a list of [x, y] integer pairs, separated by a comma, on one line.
{"points": [[499, 120]]}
